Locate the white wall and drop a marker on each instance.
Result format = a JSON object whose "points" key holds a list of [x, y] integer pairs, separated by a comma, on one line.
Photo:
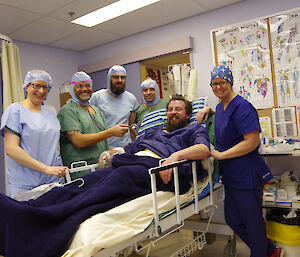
{"points": [[59, 63], [197, 27]]}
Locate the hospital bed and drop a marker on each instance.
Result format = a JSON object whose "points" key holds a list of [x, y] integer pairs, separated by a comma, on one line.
{"points": [[143, 222], [160, 221]]}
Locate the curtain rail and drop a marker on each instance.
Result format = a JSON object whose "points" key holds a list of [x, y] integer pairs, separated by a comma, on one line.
{"points": [[6, 38]]}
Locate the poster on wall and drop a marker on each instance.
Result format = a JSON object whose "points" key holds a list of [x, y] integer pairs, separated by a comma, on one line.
{"points": [[285, 34], [245, 49]]}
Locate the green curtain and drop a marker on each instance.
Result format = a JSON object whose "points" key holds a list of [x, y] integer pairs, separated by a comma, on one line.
{"points": [[11, 77], [11, 74]]}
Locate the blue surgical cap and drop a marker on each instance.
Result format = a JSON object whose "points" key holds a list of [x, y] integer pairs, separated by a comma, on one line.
{"points": [[78, 77], [114, 70], [223, 72], [151, 83], [34, 75]]}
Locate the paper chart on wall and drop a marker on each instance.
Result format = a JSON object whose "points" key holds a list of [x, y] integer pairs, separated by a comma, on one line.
{"points": [[284, 122], [285, 34], [265, 125], [245, 49]]}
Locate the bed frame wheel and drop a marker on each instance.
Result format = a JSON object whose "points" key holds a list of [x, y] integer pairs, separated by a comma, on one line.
{"points": [[230, 247]]}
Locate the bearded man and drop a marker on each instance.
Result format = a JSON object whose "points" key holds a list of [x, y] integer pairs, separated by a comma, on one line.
{"points": [[117, 104]]}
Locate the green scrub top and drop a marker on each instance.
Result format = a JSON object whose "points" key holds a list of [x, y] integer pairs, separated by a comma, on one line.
{"points": [[74, 117], [143, 110]]}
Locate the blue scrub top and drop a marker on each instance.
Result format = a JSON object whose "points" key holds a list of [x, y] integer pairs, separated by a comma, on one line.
{"points": [[116, 110], [39, 137], [239, 118]]}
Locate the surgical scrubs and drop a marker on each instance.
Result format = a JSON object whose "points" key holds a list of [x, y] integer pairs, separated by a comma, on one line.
{"points": [[74, 117], [116, 110], [39, 137], [244, 176]]}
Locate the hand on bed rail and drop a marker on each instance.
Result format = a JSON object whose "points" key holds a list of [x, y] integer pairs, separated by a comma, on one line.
{"points": [[166, 175], [194, 152], [58, 171]]}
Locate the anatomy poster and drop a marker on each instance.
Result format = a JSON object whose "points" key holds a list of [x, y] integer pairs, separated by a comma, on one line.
{"points": [[245, 49], [285, 34]]}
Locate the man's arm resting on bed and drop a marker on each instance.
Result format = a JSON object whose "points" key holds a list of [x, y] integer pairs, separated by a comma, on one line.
{"points": [[195, 152]]}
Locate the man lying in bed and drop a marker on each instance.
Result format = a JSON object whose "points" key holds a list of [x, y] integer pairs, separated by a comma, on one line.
{"points": [[186, 143], [44, 227]]}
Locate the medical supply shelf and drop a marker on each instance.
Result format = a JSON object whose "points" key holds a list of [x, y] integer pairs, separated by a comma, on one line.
{"points": [[284, 234], [271, 154]]}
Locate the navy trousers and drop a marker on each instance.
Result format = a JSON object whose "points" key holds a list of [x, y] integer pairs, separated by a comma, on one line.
{"points": [[243, 213]]}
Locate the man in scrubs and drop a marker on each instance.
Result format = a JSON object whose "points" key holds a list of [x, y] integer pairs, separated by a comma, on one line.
{"points": [[151, 98], [84, 132], [243, 170], [118, 105]]}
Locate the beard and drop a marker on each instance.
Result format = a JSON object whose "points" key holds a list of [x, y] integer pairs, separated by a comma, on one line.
{"points": [[117, 90], [170, 127], [84, 98]]}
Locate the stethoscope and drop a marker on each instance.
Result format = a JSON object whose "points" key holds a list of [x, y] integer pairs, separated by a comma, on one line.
{"points": [[93, 119]]}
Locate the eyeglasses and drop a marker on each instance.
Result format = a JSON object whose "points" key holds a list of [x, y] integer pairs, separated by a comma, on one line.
{"points": [[221, 84], [39, 86], [122, 77], [81, 86]]}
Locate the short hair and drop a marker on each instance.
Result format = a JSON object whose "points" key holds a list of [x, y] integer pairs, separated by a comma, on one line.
{"points": [[188, 104]]}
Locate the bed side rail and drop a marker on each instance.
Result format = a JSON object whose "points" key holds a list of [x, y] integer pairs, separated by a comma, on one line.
{"points": [[175, 165], [84, 166]]}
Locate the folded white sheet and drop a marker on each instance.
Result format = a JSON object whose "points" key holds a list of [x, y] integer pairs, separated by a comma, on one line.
{"points": [[107, 229]]}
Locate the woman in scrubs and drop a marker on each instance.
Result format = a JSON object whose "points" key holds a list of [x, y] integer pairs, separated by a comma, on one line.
{"points": [[31, 136], [243, 170]]}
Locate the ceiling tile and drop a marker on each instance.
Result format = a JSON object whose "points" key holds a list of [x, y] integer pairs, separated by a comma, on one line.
{"points": [[45, 31], [47, 22], [152, 16], [215, 4], [85, 39], [37, 6], [79, 7], [8, 21]]}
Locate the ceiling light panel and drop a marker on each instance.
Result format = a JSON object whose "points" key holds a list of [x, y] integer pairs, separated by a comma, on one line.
{"points": [[111, 11]]}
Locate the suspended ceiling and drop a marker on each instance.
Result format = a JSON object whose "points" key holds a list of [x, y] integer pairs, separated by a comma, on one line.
{"points": [[47, 22]]}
